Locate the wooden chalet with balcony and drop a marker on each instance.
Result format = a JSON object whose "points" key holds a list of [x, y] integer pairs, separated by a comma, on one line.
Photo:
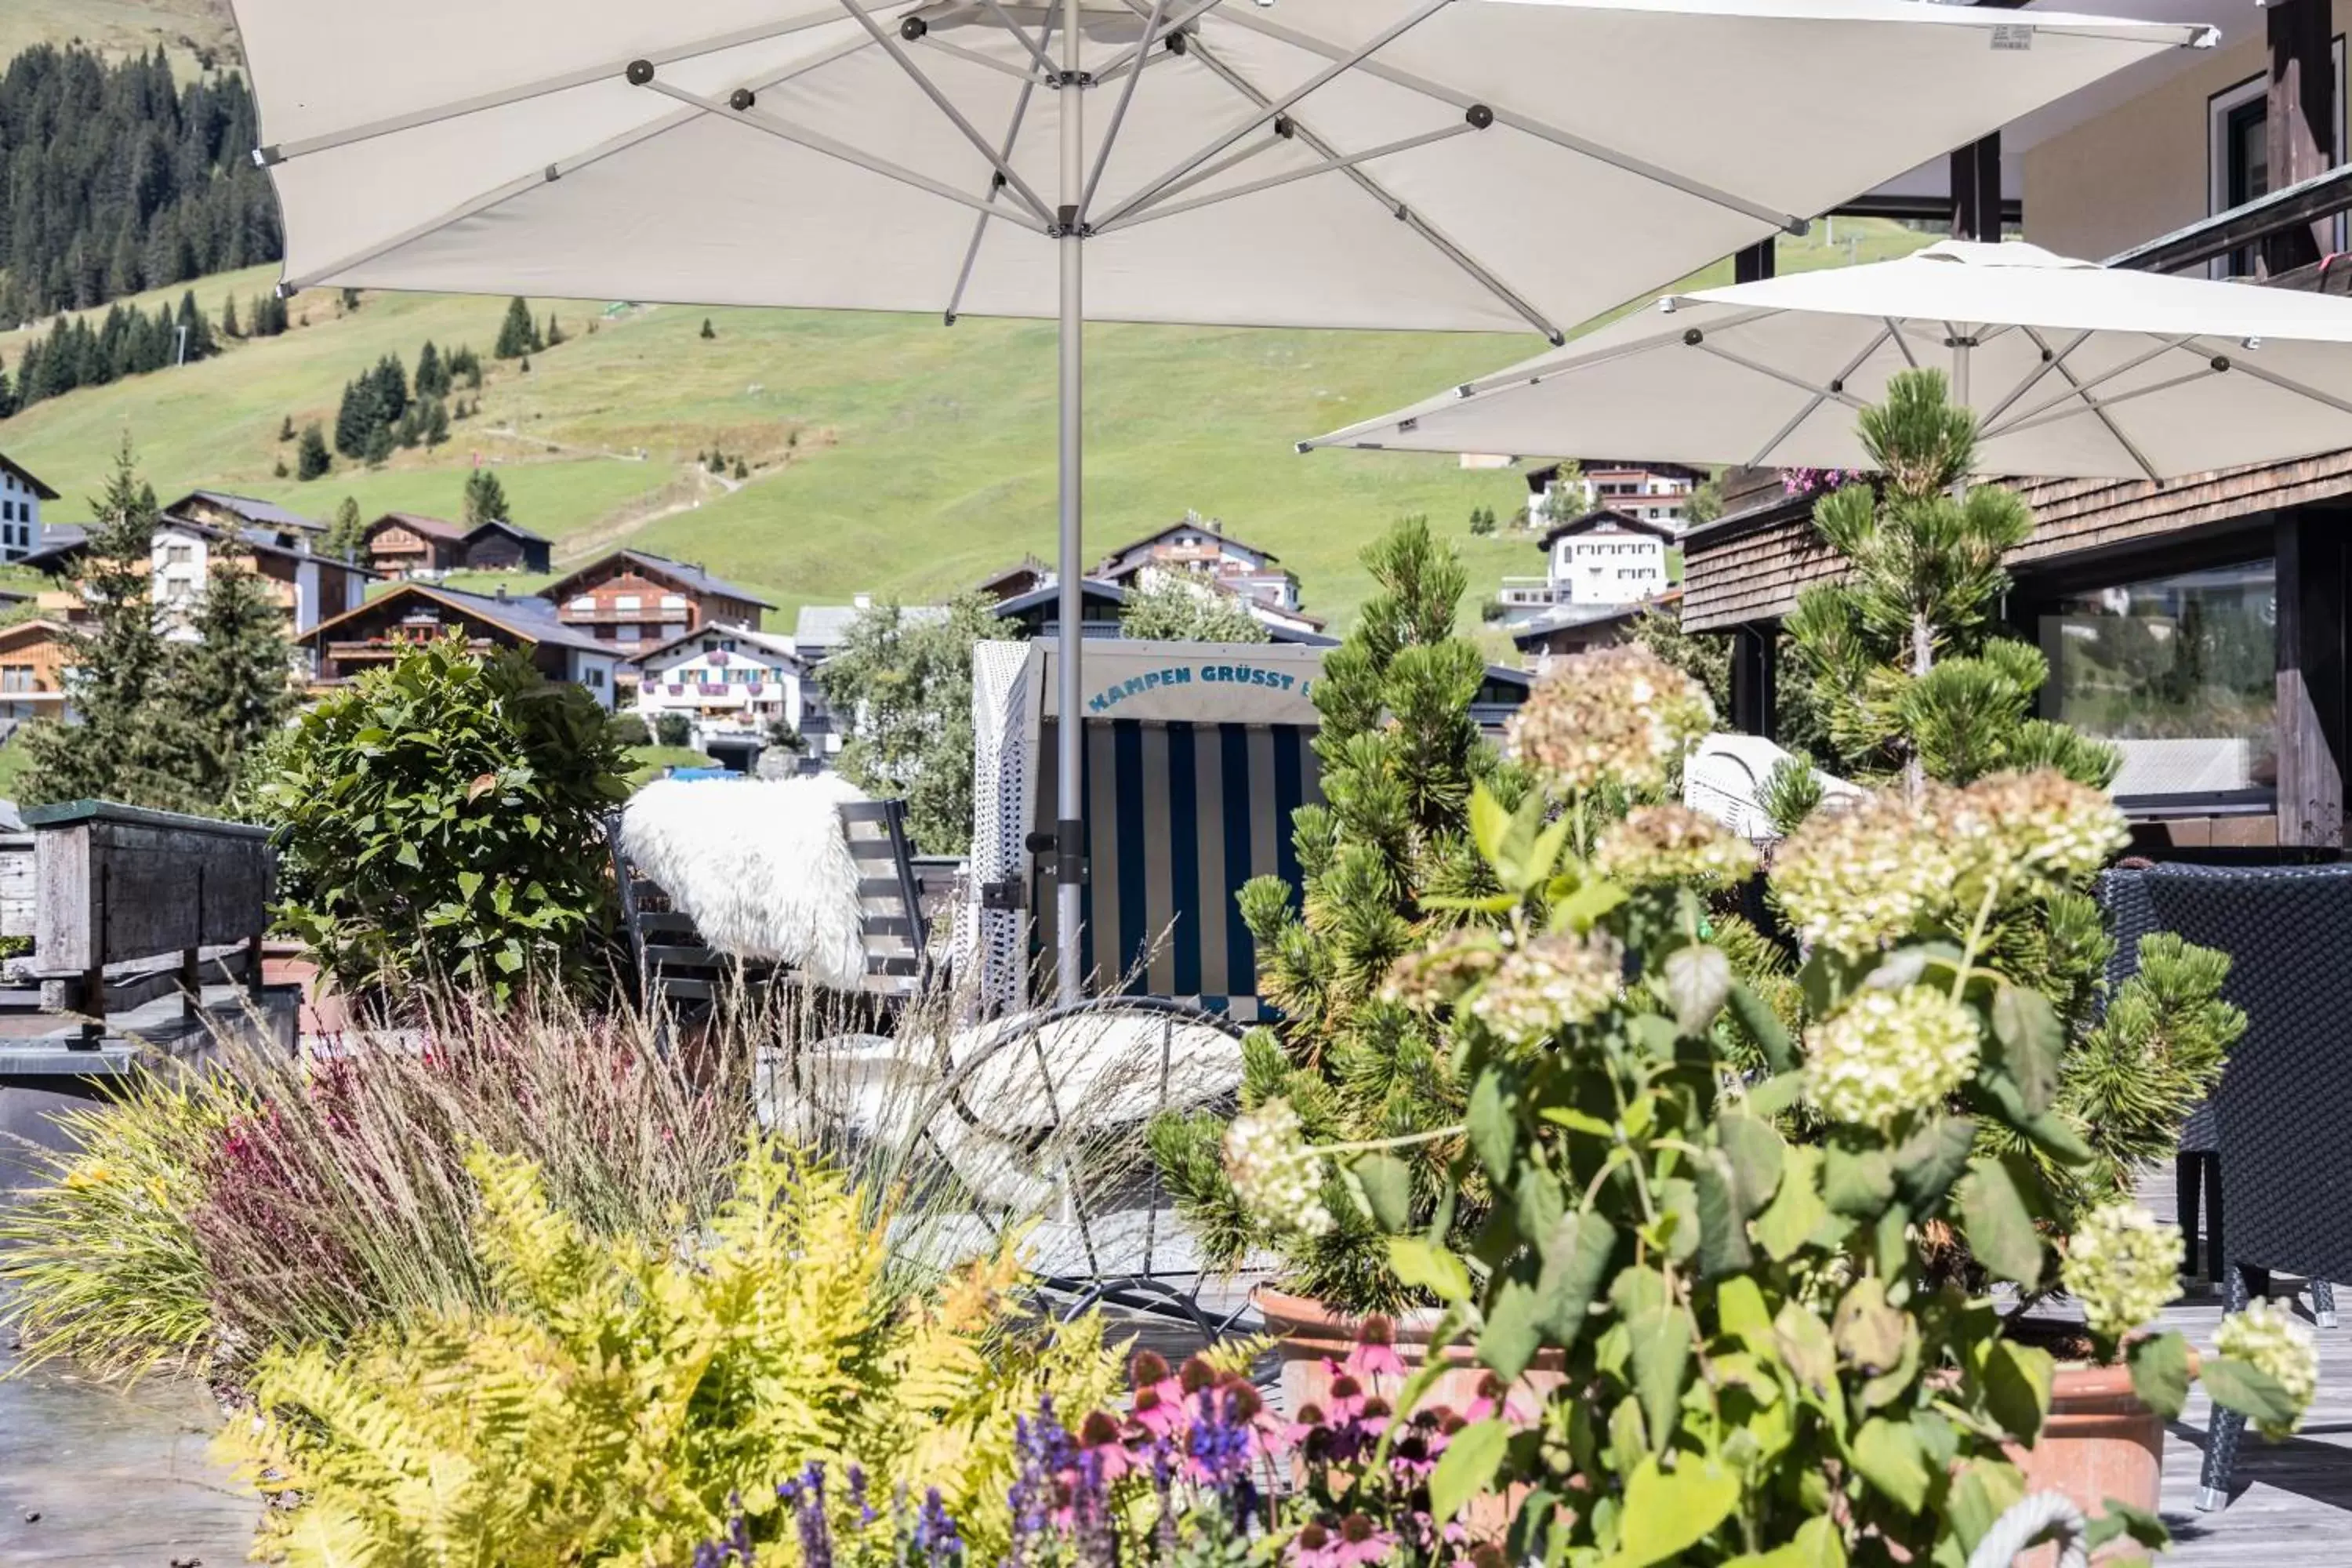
{"points": [[407, 614], [628, 602], [404, 544]]}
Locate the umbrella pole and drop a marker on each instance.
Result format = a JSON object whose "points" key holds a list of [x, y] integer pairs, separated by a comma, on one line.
{"points": [[1069, 861]]}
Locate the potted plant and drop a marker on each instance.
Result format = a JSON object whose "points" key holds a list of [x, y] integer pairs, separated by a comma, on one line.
{"points": [[1759, 1360]]}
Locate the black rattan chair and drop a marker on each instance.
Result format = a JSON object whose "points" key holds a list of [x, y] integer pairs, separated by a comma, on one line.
{"points": [[2272, 1139]]}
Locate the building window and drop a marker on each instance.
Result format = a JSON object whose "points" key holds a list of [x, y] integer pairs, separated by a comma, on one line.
{"points": [[2237, 157], [626, 633], [627, 601], [17, 678], [2180, 673], [176, 555]]}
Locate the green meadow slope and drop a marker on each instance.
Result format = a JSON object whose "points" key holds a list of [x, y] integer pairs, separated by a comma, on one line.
{"points": [[886, 453]]}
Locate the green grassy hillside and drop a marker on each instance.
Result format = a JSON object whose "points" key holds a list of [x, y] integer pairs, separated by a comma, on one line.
{"points": [[186, 28], [888, 453]]}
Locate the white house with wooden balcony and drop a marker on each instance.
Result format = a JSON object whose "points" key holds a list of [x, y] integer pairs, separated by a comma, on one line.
{"points": [[1606, 558], [2197, 625], [734, 685], [1200, 547]]}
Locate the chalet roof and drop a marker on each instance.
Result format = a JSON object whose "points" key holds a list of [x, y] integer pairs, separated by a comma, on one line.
{"points": [[31, 480], [60, 544], [1607, 517], [775, 642], [430, 527], [1028, 565], [261, 541], [532, 619], [687, 576], [268, 513], [1202, 524], [820, 628], [14, 633], [512, 530], [1564, 617]]}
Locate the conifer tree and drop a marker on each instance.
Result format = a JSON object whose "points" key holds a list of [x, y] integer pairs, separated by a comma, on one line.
{"points": [[1903, 657], [519, 335], [126, 740], [1399, 752], [355, 415], [286, 431], [7, 394], [432, 375], [347, 533], [555, 331], [233, 687], [437, 425], [485, 498], [311, 460], [229, 328], [380, 446], [708, 331]]}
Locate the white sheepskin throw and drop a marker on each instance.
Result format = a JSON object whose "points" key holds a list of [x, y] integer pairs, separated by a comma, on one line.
{"points": [[761, 866]]}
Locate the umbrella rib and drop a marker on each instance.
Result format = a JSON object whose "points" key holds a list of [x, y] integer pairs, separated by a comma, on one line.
{"points": [[980, 224], [2033, 377], [974, 57], [1760, 368], [1506, 381], [930, 90], [1901, 341], [815, 142], [1818, 398], [589, 77], [1525, 124], [1131, 57], [1379, 193], [1342, 63], [2099, 405], [1119, 111], [2083, 389], [492, 198], [1163, 208], [1036, 51], [2286, 384]]}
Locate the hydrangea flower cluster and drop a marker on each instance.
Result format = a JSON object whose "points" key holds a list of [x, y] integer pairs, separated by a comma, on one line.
{"points": [[2274, 1344], [1436, 976], [1855, 876], [1889, 1052], [2123, 1266], [2039, 824], [1658, 843], [1618, 716], [1551, 984], [1277, 1178]]}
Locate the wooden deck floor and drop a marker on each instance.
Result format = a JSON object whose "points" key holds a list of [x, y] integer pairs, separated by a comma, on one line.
{"points": [[2291, 1502]]}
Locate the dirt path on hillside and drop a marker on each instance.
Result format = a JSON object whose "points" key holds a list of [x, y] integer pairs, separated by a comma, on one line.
{"points": [[682, 494]]}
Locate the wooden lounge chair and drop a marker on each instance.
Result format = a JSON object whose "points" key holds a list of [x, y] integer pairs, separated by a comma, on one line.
{"points": [[678, 970]]}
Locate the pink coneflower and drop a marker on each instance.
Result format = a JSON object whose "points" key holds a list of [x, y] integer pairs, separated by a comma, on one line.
{"points": [[1347, 1397], [1309, 1422], [1377, 1415], [1362, 1540], [1159, 1409], [1494, 1397], [1099, 1437], [1375, 1353], [1315, 1546]]}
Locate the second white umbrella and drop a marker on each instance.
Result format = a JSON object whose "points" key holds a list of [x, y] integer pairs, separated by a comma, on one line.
{"points": [[2074, 370]]}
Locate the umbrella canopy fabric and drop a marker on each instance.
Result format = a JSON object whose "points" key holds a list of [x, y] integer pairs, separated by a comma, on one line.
{"points": [[1385, 163], [2074, 370], [841, 153]]}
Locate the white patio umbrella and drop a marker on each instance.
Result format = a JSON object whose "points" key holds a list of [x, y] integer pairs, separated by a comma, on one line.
{"points": [[1403, 163], [2074, 370]]}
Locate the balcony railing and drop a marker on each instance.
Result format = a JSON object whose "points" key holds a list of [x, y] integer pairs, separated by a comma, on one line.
{"points": [[2306, 202]]}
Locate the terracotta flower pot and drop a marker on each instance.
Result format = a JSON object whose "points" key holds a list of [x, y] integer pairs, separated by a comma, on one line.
{"points": [[2099, 1442], [1309, 1336]]}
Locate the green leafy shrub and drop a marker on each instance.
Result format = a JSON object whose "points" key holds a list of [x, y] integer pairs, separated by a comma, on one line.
{"points": [[442, 819], [618, 1395], [629, 730], [674, 730], [1759, 1362]]}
